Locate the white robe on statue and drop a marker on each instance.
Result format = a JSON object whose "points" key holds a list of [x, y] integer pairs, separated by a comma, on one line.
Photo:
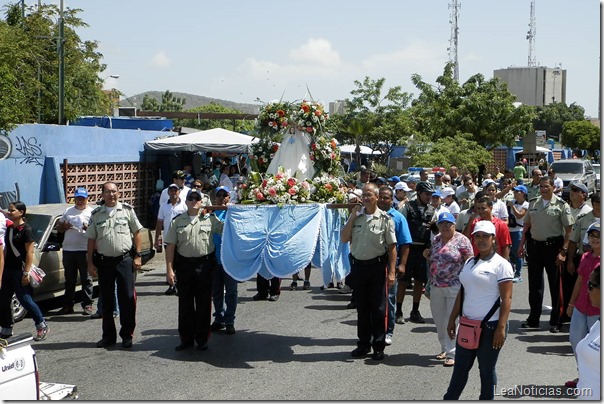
{"points": [[294, 156]]}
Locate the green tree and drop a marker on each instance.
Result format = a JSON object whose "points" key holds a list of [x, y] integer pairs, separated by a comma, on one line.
{"points": [[482, 108], [241, 126], [551, 118], [168, 103], [29, 67], [460, 151], [581, 135]]}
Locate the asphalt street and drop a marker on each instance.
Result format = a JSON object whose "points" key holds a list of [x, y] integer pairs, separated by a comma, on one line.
{"points": [[297, 348]]}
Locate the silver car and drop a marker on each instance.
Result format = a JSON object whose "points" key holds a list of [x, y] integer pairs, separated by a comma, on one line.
{"points": [[575, 170], [43, 220]]}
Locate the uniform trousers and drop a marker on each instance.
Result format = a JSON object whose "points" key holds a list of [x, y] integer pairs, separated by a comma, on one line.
{"points": [[371, 298], [194, 299], [268, 287], [74, 262], [117, 272], [543, 255]]}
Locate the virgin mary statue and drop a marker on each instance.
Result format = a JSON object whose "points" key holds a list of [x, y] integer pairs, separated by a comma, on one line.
{"points": [[294, 156]]}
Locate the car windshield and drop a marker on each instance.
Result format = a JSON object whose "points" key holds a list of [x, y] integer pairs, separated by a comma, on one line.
{"points": [[568, 168], [39, 224]]}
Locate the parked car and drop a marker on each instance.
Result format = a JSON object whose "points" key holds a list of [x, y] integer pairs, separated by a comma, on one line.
{"points": [[597, 170], [575, 170], [43, 220]]}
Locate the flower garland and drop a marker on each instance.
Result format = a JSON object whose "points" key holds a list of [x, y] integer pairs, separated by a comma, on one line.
{"points": [[325, 155], [310, 117], [262, 152], [278, 189], [326, 189], [273, 117]]}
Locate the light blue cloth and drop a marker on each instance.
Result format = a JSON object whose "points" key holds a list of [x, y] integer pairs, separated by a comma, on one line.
{"points": [[274, 241]]}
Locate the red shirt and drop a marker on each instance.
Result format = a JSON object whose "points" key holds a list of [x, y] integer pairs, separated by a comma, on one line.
{"points": [[586, 267], [502, 235]]}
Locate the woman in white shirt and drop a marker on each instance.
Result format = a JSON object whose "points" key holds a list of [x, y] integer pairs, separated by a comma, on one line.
{"points": [[518, 207]]}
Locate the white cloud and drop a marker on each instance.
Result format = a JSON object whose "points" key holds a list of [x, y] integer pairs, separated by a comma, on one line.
{"points": [[316, 51], [416, 55], [160, 59]]}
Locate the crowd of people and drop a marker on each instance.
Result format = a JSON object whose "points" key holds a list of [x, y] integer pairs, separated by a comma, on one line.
{"points": [[460, 245]]}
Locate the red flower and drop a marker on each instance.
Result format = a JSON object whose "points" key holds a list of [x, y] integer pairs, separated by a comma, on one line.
{"points": [[313, 146], [272, 191], [312, 157], [275, 147], [309, 129], [260, 160], [284, 124], [333, 143], [332, 156], [259, 196], [291, 182], [328, 187], [318, 113], [280, 112], [304, 107]]}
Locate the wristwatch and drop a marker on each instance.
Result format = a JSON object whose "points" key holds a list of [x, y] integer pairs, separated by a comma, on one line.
{"points": [[138, 254]]}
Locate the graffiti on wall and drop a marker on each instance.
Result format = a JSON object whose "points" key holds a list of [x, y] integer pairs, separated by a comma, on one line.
{"points": [[30, 149]]}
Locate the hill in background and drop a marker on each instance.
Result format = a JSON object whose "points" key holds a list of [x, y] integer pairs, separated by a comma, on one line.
{"points": [[192, 101]]}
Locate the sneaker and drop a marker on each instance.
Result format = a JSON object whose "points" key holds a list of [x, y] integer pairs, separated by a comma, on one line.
{"points": [[259, 296], [104, 343], [399, 319], [216, 326], [345, 290], [517, 279], [293, 286], [526, 324], [416, 317], [307, 285], [377, 355], [97, 314], [360, 352], [41, 334], [116, 314], [230, 329], [87, 310], [127, 343], [273, 298], [65, 310], [171, 290], [388, 339]]}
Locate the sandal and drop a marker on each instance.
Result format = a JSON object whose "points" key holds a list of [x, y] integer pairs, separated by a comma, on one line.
{"points": [[449, 362], [441, 356]]}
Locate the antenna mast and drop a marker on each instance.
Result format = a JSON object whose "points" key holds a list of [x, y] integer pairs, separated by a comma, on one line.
{"points": [[455, 6], [532, 32]]}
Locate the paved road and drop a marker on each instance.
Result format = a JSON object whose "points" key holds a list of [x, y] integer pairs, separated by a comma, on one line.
{"points": [[295, 349]]}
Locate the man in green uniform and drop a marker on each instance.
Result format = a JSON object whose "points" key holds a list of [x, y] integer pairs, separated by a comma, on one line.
{"points": [[190, 252], [370, 232], [549, 222], [111, 254]]}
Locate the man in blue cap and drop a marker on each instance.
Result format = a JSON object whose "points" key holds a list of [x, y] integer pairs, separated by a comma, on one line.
{"points": [[392, 181], [74, 223]]}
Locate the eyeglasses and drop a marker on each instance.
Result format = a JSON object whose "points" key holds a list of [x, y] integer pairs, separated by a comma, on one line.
{"points": [[591, 285], [194, 198]]}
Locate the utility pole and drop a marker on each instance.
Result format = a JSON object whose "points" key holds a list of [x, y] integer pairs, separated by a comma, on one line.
{"points": [[453, 41], [532, 32], [60, 43]]}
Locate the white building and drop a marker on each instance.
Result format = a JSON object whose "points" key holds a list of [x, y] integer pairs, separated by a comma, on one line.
{"points": [[536, 86]]}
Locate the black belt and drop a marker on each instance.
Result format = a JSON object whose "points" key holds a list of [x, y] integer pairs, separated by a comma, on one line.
{"points": [[549, 242], [107, 258], [376, 260], [195, 260]]}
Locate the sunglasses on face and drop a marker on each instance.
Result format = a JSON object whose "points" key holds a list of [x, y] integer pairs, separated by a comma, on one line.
{"points": [[194, 198], [591, 285], [197, 185]]}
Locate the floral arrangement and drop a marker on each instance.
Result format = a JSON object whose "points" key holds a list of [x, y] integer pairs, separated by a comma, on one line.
{"points": [[326, 189], [310, 117], [273, 117], [325, 155], [278, 189], [262, 153]]}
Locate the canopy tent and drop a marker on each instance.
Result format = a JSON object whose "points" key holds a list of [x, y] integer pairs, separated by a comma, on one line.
{"points": [[539, 149], [211, 140], [350, 148]]}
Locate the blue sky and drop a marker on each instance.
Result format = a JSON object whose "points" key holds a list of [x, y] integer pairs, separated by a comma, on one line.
{"points": [[244, 50]]}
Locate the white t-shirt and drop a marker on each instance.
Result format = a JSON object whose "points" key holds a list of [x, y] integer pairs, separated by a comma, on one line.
{"points": [[588, 362], [500, 211], [2, 226], [481, 285], [75, 238], [558, 183], [164, 197], [454, 208], [167, 212], [519, 207]]}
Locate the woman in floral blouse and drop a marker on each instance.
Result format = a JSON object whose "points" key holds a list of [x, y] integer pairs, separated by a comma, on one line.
{"points": [[446, 257]]}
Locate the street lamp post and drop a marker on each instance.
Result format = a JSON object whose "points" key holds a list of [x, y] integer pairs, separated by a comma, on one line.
{"points": [[60, 43]]}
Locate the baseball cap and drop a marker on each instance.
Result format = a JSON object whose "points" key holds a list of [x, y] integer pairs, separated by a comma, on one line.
{"points": [[579, 185], [521, 188], [595, 226], [223, 188], [81, 192], [446, 217], [485, 226], [204, 198], [173, 186], [437, 193], [447, 191], [381, 179], [401, 185], [410, 179], [357, 193], [439, 174], [394, 178], [180, 174], [486, 182]]}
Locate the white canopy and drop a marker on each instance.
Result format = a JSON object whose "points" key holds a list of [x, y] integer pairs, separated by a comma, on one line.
{"points": [[539, 149], [350, 148], [211, 140]]}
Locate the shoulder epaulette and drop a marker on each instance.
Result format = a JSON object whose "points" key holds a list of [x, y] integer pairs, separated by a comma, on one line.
{"points": [[96, 210], [127, 205], [533, 199]]}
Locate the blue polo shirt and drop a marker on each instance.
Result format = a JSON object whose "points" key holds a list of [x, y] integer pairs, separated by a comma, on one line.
{"points": [[401, 228]]}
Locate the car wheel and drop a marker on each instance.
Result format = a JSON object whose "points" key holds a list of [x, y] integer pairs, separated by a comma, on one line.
{"points": [[17, 309]]}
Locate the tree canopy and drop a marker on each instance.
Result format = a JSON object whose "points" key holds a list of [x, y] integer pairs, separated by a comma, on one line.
{"points": [[204, 124], [551, 118], [581, 135]]}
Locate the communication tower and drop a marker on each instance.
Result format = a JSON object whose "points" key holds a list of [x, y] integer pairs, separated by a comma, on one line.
{"points": [[532, 32], [453, 42]]}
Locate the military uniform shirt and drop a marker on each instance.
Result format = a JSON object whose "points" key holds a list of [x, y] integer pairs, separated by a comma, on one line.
{"points": [[548, 221], [193, 237], [533, 191], [371, 235], [580, 229], [113, 234]]}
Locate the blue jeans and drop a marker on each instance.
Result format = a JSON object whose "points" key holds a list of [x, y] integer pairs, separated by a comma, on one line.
{"points": [[580, 324], [487, 360], [515, 260], [11, 283], [391, 308], [224, 293]]}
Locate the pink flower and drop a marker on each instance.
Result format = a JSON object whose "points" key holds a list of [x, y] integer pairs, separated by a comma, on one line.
{"points": [[332, 156], [278, 176], [291, 191], [259, 196], [305, 185], [291, 182], [309, 129], [272, 191], [264, 183], [328, 187], [318, 113]]}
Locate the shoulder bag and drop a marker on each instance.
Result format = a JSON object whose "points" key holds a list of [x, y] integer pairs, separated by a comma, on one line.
{"points": [[36, 274], [469, 331]]}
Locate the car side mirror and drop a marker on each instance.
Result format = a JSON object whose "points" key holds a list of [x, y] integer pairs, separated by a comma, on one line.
{"points": [[51, 247]]}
